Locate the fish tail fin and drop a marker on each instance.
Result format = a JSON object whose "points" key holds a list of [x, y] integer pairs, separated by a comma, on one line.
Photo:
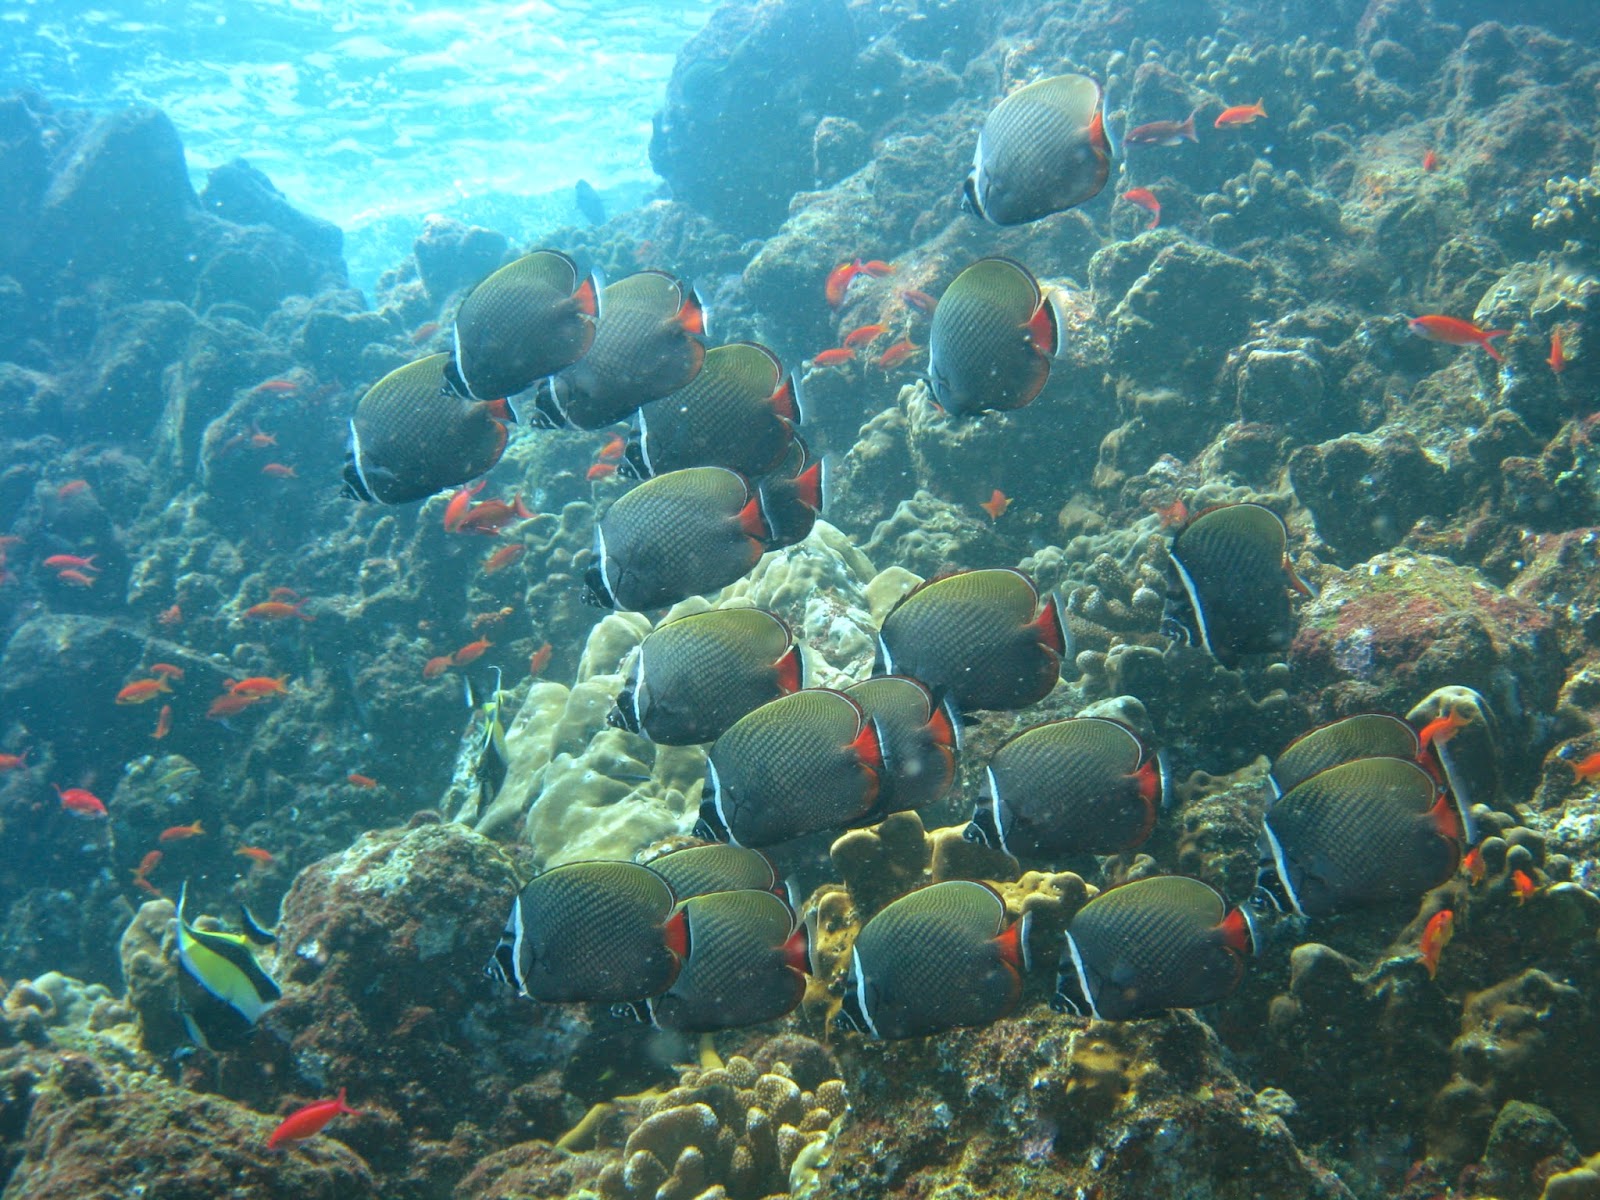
{"points": [[792, 669], [754, 522], [1446, 818], [1489, 347], [1051, 625], [811, 485], [787, 401], [1187, 128], [1044, 327], [1261, 105], [868, 746], [521, 508], [692, 313]]}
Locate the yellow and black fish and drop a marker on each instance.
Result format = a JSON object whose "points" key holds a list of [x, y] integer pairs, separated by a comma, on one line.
{"points": [[694, 677], [650, 342], [592, 931], [1085, 785], [938, 958], [1150, 945], [1365, 735], [921, 740], [222, 987], [981, 637], [803, 763], [1041, 150], [528, 320], [993, 337], [1363, 832], [740, 412], [413, 435]]}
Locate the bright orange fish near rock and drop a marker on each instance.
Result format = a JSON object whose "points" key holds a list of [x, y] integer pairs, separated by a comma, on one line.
{"points": [[1455, 332], [259, 686], [600, 470], [277, 610], [1175, 513], [1585, 769], [1558, 356], [356, 779], [182, 833], [1240, 114], [1145, 199], [996, 504], [471, 652], [1442, 728], [834, 356], [456, 510], [170, 616], [310, 1120], [539, 660], [864, 334], [75, 577], [57, 562], [492, 516], [897, 354], [437, 665], [262, 858], [506, 555], [1475, 868], [166, 670], [279, 471], [1522, 886], [13, 762], [842, 276], [1435, 937], [163, 723], [229, 704], [72, 487], [81, 803], [142, 691]]}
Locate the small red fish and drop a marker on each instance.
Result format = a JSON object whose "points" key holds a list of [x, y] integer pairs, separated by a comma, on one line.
{"points": [[142, 691], [613, 450], [58, 562], [600, 470], [471, 652], [149, 862], [493, 515], [996, 504], [839, 281], [1172, 514], [1162, 133], [144, 885], [1474, 866], [310, 1120], [278, 471], [1558, 356], [261, 440], [182, 833], [72, 487], [897, 354], [287, 594], [1145, 199], [277, 610], [163, 723], [1586, 768], [834, 357], [875, 267], [228, 705], [356, 779], [256, 855], [919, 300], [1430, 160], [1240, 114], [459, 504], [82, 803], [170, 616], [277, 385], [12, 762], [1522, 886], [1442, 728], [1435, 937], [166, 670], [864, 334], [539, 660], [1455, 332], [505, 556], [437, 666], [259, 686], [423, 332], [75, 577]]}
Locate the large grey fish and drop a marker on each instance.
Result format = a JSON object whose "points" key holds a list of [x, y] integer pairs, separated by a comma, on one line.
{"points": [[529, 319], [1085, 785], [648, 345], [800, 764], [1363, 832], [1150, 945], [694, 677], [993, 336], [1042, 150], [1231, 591], [938, 958], [747, 963], [675, 536], [1365, 735], [413, 435], [717, 867], [921, 740], [739, 412], [598, 931], [980, 637]]}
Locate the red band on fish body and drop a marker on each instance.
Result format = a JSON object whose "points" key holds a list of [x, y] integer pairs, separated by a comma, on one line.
{"points": [[791, 670], [869, 747], [677, 934]]}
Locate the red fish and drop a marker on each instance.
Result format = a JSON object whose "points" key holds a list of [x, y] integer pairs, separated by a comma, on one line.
{"points": [[310, 1120], [437, 666], [423, 332], [166, 670], [277, 385], [229, 705], [277, 610], [170, 616], [75, 577], [863, 334], [261, 439], [1172, 514], [149, 862], [876, 268], [278, 471], [1455, 332], [1558, 356], [919, 300], [839, 281], [182, 833], [142, 691], [505, 556], [1586, 768], [356, 779], [283, 593], [12, 762], [82, 803], [1441, 729], [144, 885], [1435, 937], [459, 504], [616, 445], [833, 357], [259, 686], [163, 723], [1145, 199], [539, 660], [59, 562], [256, 855], [1162, 133], [72, 487], [1474, 866], [1430, 160], [1240, 114], [600, 470], [897, 354], [471, 652], [1522, 886], [493, 515], [996, 504]]}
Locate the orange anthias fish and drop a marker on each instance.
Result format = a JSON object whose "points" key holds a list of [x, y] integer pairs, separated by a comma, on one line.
{"points": [[11, 762], [471, 652], [72, 487], [863, 334], [1474, 866], [279, 471], [57, 562], [142, 691], [261, 439], [1558, 356], [459, 504], [1435, 937], [833, 357], [600, 470], [1441, 729], [167, 670], [82, 803], [437, 665], [1145, 199], [897, 354], [310, 1120], [423, 332], [1522, 886], [277, 385], [1586, 768], [996, 504], [228, 705], [1455, 332], [1172, 514], [539, 660], [163, 723], [256, 855], [1240, 114], [258, 686], [182, 833], [492, 516], [277, 610], [75, 577], [616, 445], [919, 300], [149, 862], [1430, 161], [839, 281], [506, 555], [170, 616], [283, 593], [356, 779]]}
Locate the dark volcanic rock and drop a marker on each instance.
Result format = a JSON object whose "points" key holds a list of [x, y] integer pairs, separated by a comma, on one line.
{"points": [[1366, 491], [239, 193], [451, 256]]}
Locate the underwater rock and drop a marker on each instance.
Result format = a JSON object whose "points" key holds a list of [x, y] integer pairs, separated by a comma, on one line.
{"points": [[1365, 491], [451, 256], [1526, 1144], [131, 351], [239, 193]]}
